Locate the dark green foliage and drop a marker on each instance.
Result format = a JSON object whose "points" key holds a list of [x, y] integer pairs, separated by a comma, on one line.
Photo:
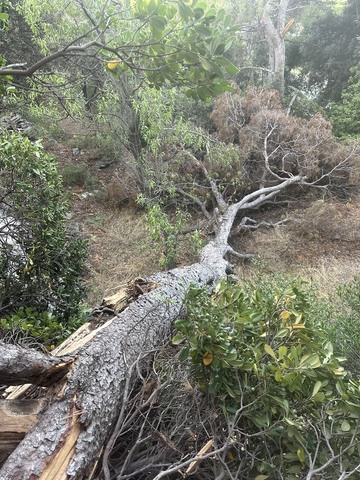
{"points": [[28, 327], [326, 50], [343, 324], [187, 41], [164, 232], [75, 175], [40, 263], [260, 352], [345, 116]]}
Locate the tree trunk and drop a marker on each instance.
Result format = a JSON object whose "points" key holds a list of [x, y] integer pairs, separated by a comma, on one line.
{"points": [[68, 437], [16, 419], [274, 34]]}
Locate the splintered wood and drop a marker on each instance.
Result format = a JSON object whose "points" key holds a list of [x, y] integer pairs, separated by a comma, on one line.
{"points": [[16, 419], [127, 294]]}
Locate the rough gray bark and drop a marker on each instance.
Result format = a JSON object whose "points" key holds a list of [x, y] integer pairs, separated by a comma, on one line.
{"points": [[20, 365], [67, 439]]}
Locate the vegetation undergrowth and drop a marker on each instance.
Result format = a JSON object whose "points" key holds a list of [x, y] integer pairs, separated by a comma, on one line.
{"points": [[342, 323], [261, 353], [30, 328], [165, 229], [41, 261]]}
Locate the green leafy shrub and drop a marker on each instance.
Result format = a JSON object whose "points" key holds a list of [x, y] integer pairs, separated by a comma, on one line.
{"points": [[165, 233], [40, 262], [343, 324], [264, 358], [45, 328], [345, 116], [175, 150]]}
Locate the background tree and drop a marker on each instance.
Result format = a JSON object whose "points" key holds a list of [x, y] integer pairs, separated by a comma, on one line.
{"points": [[326, 50], [346, 114], [154, 40]]}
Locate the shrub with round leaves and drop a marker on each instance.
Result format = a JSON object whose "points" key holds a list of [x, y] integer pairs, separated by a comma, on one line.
{"points": [[273, 372]]}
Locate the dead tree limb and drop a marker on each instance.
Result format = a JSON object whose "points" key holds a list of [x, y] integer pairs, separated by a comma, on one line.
{"points": [[20, 365]]}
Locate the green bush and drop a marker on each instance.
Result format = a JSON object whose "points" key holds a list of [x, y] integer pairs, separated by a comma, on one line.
{"points": [[259, 352], [40, 262], [27, 326], [345, 116], [164, 232], [343, 324]]}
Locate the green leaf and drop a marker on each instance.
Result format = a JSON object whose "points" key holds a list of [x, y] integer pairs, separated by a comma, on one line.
{"points": [[295, 469], [205, 63], [319, 397], [177, 339], [345, 426], [256, 317], [225, 63], [316, 388], [301, 455], [282, 351], [269, 351], [231, 392], [283, 332], [310, 361], [203, 30], [184, 354], [185, 11], [204, 93], [340, 371], [158, 22], [261, 421]]}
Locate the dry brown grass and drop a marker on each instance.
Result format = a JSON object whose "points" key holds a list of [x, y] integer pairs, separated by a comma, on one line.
{"points": [[120, 250], [321, 243]]}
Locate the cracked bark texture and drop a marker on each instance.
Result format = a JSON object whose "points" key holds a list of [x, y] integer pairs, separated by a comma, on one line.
{"points": [[20, 365]]}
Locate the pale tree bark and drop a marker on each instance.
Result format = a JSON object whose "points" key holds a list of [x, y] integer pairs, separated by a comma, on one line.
{"points": [[67, 439], [275, 30]]}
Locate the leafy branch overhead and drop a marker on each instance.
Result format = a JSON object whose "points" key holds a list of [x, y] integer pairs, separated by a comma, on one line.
{"points": [[181, 42]]}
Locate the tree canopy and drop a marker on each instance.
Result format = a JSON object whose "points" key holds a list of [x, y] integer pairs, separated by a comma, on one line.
{"points": [[155, 40]]}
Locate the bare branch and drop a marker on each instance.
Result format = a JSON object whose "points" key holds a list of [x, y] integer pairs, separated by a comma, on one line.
{"points": [[197, 202], [240, 255]]}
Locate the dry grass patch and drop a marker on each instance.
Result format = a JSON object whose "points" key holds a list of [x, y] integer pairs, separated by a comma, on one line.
{"points": [[120, 250], [321, 243]]}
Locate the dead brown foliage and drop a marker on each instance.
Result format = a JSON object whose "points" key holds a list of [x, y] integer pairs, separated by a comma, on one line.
{"points": [[273, 144], [121, 190]]}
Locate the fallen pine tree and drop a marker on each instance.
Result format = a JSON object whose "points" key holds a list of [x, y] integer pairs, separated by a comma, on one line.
{"points": [[68, 437]]}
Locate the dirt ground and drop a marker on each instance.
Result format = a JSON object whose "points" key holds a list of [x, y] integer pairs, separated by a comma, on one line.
{"points": [[320, 240]]}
